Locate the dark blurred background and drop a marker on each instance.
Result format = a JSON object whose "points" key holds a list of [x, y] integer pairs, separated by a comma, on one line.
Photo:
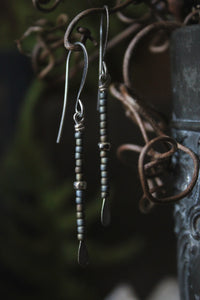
{"points": [[37, 216]]}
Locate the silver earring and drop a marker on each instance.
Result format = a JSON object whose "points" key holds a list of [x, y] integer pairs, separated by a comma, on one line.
{"points": [[79, 185], [104, 145]]}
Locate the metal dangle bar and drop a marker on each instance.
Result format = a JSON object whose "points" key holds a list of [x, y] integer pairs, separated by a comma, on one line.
{"points": [[79, 185], [104, 145]]}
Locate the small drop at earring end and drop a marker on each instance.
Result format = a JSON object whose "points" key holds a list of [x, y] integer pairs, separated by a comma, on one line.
{"points": [[83, 257], [105, 212]]}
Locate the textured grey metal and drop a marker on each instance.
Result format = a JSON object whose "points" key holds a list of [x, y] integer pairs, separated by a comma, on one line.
{"points": [[185, 63]]}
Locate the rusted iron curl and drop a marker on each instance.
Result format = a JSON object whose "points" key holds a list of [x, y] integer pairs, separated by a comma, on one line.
{"points": [[43, 54], [152, 188], [167, 26], [129, 20], [155, 12], [43, 5], [91, 11], [135, 25], [153, 165], [193, 16], [48, 39]]}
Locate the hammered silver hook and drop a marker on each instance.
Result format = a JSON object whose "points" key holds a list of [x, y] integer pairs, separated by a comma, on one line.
{"points": [[102, 48], [78, 101]]}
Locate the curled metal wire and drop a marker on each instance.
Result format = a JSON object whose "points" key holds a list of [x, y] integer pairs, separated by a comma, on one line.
{"points": [[191, 17], [154, 11], [168, 26], [42, 5], [43, 55], [152, 164], [49, 40], [159, 43], [129, 20], [158, 160], [91, 11]]}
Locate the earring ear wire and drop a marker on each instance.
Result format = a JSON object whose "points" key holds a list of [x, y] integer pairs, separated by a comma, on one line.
{"points": [[103, 47], [78, 101]]}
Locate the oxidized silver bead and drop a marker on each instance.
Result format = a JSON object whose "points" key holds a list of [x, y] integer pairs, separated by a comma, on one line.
{"points": [[105, 146], [80, 185]]}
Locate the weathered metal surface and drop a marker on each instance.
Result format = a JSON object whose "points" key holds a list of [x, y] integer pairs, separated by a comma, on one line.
{"points": [[185, 49], [185, 58]]}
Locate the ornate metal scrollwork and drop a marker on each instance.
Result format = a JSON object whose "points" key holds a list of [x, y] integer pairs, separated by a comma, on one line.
{"points": [[187, 226]]}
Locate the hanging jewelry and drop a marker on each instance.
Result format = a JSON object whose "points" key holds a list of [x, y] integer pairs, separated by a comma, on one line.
{"points": [[79, 185], [104, 145]]}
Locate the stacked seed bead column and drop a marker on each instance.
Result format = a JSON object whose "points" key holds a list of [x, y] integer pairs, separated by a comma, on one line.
{"points": [[104, 145], [79, 185]]}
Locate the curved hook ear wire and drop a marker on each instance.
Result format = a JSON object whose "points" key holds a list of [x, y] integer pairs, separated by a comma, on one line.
{"points": [[102, 48], [78, 101]]}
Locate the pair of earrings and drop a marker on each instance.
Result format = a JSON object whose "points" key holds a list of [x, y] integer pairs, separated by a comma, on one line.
{"points": [[80, 184]]}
